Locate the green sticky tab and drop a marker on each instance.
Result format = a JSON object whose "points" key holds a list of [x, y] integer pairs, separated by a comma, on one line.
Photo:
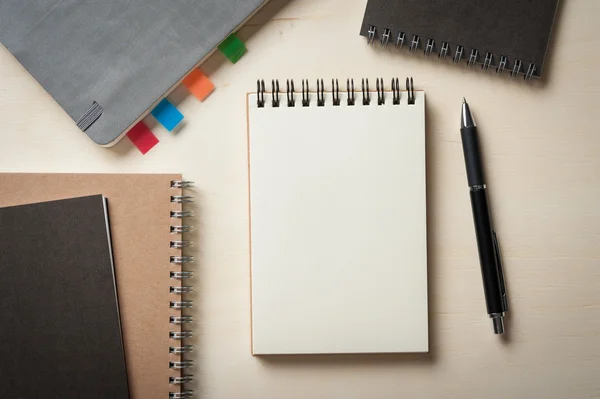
{"points": [[233, 48]]}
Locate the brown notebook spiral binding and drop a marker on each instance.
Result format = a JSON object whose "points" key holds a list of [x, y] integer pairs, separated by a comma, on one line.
{"points": [[179, 332]]}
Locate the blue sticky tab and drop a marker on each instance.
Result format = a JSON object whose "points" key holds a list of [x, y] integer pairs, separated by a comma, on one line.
{"points": [[167, 114]]}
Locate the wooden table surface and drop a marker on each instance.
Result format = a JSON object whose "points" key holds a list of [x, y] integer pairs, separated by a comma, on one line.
{"points": [[541, 143]]}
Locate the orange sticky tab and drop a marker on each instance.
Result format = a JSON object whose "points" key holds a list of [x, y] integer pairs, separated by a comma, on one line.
{"points": [[198, 84]]}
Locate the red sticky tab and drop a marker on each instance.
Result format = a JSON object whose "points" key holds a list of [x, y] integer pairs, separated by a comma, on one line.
{"points": [[142, 137], [198, 84]]}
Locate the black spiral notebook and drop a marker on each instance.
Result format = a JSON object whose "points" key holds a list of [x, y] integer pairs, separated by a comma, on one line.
{"points": [[509, 36]]}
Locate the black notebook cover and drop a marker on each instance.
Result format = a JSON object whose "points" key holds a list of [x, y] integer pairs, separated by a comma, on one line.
{"points": [[60, 335], [516, 29]]}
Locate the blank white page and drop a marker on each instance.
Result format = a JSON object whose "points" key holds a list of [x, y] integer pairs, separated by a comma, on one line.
{"points": [[338, 226]]}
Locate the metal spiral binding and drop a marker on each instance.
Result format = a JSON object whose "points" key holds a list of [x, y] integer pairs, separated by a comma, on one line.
{"points": [[182, 199], [181, 395], [291, 99], [182, 184], [182, 290], [365, 93], [181, 320], [306, 102], [380, 91], [335, 91], [182, 259], [275, 93], [179, 303], [181, 349], [458, 54], [350, 89], [181, 380], [414, 45], [396, 91], [181, 229], [182, 214], [179, 335], [186, 364], [305, 95], [410, 88], [444, 50], [320, 94], [181, 275], [180, 244], [260, 90]]}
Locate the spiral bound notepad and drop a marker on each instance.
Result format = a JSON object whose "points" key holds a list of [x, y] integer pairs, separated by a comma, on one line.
{"points": [[509, 36], [147, 221], [338, 218]]}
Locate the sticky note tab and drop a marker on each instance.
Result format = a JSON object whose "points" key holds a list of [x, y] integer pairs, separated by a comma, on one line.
{"points": [[198, 84], [233, 48], [167, 114], [142, 137]]}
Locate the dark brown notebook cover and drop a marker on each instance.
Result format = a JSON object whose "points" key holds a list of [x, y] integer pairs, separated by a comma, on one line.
{"points": [[60, 335], [516, 29], [141, 230]]}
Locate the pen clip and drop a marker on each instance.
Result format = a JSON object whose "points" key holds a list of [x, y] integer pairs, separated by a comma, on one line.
{"points": [[500, 269]]}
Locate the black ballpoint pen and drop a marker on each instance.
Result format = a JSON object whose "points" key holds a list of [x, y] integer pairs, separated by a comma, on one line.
{"points": [[487, 243]]}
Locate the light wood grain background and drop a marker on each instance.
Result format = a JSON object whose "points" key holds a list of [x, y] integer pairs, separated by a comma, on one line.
{"points": [[541, 143]]}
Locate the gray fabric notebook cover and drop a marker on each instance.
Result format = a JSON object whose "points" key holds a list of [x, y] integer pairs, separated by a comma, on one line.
{"points": [[516, 29], [122, 54]]}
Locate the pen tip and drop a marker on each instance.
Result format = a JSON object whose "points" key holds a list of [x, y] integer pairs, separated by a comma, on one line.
{"points": [[464, 100]]}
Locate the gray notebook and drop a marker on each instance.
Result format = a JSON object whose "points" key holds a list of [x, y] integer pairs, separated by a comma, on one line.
{"points": [[108, 62]]}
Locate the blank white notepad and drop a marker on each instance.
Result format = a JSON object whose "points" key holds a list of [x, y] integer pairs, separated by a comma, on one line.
{"points": [[338, 225]]}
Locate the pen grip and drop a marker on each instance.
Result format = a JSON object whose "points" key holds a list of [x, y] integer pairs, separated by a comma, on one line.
{"points": [[470, 142], [487, 254]]}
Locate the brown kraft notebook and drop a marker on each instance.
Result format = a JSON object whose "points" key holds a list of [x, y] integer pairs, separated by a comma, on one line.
{"points": [[145, 222]]}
